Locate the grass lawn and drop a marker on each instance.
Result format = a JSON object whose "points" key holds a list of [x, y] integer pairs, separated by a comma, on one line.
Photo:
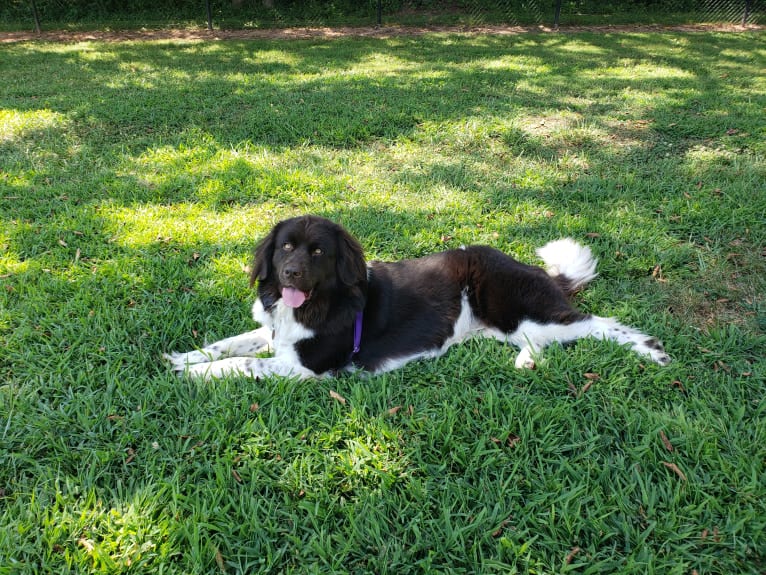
{"points": [[135, 179]]}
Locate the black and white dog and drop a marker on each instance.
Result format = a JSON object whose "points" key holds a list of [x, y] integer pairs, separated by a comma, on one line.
{"points": [[322, 308]]}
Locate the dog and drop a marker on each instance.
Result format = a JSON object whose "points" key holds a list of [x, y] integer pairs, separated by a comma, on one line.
{"points": [[323, 309]]}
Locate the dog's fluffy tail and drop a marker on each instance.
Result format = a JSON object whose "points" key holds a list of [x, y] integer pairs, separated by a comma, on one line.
{"points": [[569, 263]]}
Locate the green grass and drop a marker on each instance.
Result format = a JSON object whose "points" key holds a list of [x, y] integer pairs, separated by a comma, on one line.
{"points": [[135, 179]]}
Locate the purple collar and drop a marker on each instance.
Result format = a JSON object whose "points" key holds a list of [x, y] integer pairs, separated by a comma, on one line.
{"points": [[357, 332]]}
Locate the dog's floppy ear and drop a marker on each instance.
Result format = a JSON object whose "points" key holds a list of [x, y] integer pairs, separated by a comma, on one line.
{"points": [[350, 264], [264, 254]]}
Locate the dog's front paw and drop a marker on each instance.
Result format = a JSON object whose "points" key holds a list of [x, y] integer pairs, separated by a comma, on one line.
{"points": [[180, 362]]}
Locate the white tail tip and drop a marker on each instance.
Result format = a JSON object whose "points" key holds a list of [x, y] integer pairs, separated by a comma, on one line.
{"points": [[565, 257]]}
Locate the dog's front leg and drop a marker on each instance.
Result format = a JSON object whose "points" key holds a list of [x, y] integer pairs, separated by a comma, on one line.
{"points": [[248, 367], [246, 344]]}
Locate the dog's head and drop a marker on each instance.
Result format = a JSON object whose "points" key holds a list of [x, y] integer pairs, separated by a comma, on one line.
{"points": [[304, 259]]}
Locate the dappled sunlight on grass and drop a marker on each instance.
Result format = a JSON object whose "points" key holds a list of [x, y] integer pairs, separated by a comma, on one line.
{"points": [[18, 124], [182, 224], [356, 455], [645, 71], [80, 525]]}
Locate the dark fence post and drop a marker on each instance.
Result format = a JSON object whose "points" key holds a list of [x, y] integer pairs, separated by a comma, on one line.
{"points": [[746, 13], [380, 13], [36, 16], [209, 15], [557, 15]]}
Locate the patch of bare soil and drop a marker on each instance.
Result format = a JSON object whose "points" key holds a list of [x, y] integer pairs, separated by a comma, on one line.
{"points": [[341, 32]]}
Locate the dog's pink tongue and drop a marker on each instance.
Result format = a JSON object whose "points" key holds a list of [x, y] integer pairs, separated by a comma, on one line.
{"points": [[293, 297]]}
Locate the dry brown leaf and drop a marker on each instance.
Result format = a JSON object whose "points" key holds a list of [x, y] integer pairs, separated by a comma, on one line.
{"points": [[677, 383], [666, 441], [219, 560], [254, 407], [337, 397], [674, 468], [87, 544], [131, 455], [586, 387], [236, 476], [571, 556], [591, 376], [394, 410], [512, 440], [499, 531]]}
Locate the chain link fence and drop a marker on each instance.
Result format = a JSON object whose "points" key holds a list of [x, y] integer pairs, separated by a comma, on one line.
{"points": [[237, 14]]}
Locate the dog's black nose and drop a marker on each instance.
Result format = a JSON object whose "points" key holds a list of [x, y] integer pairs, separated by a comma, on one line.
{"points": [[291, 272]]}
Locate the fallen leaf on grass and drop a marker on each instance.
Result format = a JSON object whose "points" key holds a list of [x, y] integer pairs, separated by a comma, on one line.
{"points": [[674, 468], [337, 397], [666, 441], [394, 410], [219, 560], [87, 544], [499, 531], [586, 387], [131, 455], [571, 556], [236, 476], [591, 376], [677, 383]]}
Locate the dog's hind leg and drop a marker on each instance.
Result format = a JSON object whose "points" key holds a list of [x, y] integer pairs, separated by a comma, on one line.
{"points": [[642, 344], [531, 337]]}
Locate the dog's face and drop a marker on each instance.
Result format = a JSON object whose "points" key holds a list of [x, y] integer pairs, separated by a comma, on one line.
{"points": [[303, 257]]}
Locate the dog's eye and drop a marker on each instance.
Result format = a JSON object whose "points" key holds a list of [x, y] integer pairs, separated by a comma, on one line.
{"points": [[317, 251], [287, 246]]}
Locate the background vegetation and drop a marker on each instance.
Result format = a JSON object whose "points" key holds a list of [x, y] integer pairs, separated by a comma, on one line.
{"points": [[18, 14], [134, 180]]}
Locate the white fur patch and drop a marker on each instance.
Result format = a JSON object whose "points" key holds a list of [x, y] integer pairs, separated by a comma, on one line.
{"points": [[568, 258], [237, 355], [531, 337]]}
